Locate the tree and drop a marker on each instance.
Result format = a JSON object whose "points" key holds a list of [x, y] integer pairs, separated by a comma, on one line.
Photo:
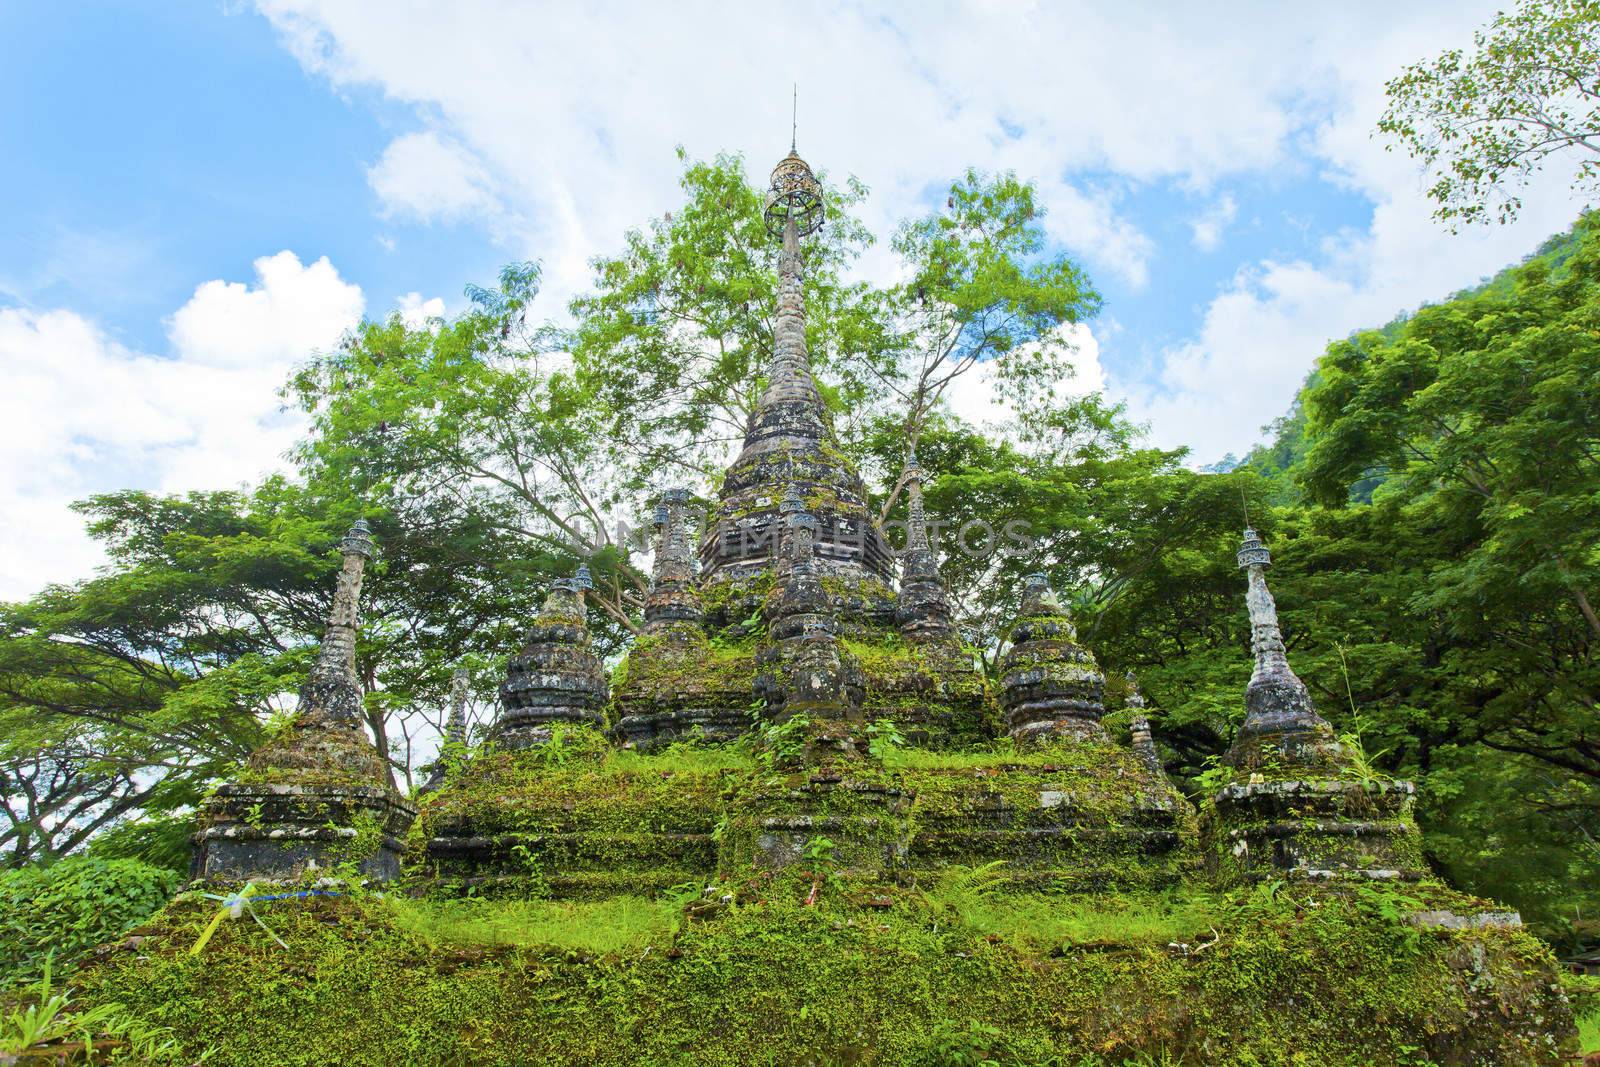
{"points": [[980, 291], [553, 435], [1483, 123], [1483, 414], [134, 692]]}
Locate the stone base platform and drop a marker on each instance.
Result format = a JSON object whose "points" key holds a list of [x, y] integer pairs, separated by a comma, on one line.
{"points": [[279, 832]]}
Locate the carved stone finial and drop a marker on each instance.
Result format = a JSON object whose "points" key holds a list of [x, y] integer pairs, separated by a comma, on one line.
{"points": [[916, 516], [794, 198], [1144, 745], [1135, 698], [455, 731], [1039, 599], [332, 692], [924, 609]]}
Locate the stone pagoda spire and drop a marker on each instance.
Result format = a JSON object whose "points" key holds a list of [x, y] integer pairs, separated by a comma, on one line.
{"points": [[1278, 710], [924, 610], [673, 685], [1144, 743], [455, 731], [556, 677], [332, 692], [1050, 686], [672, 599], [307, 792], [1290, 807], [789, 438], [329, 732]]}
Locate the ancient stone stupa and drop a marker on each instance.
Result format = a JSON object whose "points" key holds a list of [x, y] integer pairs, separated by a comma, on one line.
{"points": [[792, 627], [1299, 803], [319, 796], [868, 855]]}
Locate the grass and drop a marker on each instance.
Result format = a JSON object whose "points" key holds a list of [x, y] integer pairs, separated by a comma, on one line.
{"points": [[1042, 921], [1589, 1033], [607, 926], [681, 758], [1001, 753]]}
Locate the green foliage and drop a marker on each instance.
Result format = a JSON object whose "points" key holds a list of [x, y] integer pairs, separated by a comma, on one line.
{"points": [[979, 896], [606, 926], [783, 743], [47, 1025], [972, 1044], [1589, 1033], [1484, 122], [883, 738], [980, 289], [62, 910], [1306, 973]]}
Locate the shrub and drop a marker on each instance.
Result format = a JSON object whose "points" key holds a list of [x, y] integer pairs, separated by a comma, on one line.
{"points": [[62, 910]]}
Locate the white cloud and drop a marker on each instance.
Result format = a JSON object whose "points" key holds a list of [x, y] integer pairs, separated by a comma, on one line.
{"points": [[567, 118], [973, 396], [1208, 226], [1261, 334], [83, 414], [426, 178], [416, 312], [291, 310]]}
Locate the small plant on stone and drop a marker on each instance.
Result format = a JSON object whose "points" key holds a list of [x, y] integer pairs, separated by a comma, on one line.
{"points": [[50, 1029], [883, 738], [783, 743], [532, 869], [970, 1044], [1214, 777], [819, 856]]}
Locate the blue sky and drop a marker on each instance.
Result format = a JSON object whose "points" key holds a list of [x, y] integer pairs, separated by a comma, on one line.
{"points": [[202, 193]]}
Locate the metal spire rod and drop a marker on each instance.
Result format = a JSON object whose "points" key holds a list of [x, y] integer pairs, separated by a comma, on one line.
{"points": [[794, 118]]}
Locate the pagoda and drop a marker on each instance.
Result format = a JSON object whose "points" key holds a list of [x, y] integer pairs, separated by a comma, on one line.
{"points": [[795, 822], [794, 620]]}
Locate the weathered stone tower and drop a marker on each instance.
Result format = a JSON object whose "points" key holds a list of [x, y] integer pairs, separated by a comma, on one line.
{"points": [[1299, 803], [793, 627], [556, 678], [318, 796]]}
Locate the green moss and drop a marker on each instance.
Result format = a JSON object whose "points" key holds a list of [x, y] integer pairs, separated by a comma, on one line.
{"points": [[579, 818], [890, 977], [656, 664]]}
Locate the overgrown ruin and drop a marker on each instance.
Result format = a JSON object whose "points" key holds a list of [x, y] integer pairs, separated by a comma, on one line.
{"points": [[846, 753]]}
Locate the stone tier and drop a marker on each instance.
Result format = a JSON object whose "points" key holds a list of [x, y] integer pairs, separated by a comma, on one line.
{"points": [[559, 821], [282, 832], [1319, 828], [517, 823], [678, 686], [746, 530], [829, 821], [931, 691]]}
